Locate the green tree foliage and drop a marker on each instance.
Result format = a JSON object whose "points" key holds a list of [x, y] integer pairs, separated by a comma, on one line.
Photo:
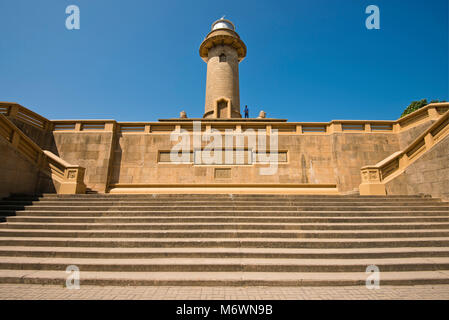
{"points": [[415, 105]]}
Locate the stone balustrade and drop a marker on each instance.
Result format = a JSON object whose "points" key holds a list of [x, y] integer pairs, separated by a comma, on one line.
{"points": [[67, 178], [374, 177], [430, 112], [16, 111]]}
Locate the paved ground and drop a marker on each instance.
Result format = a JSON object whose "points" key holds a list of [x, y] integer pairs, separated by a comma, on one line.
{"points": [[33, 292]]}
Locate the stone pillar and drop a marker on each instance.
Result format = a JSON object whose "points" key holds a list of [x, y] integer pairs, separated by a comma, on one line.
{"points": [[371, 182]]}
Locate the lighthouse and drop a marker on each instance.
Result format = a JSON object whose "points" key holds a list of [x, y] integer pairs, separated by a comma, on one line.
{"points": [[222, 50]]}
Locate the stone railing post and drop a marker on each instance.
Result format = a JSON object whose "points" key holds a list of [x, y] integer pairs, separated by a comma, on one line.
{"points": [[73, 181], [371, 182], [13, 111], [429, 141], [69, 179], [368, 127], [433, 113], [334, 127], [15, 139]]}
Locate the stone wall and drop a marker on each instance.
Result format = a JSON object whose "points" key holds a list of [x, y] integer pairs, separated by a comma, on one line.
{"points": [[112, 156], [313, 159], [136, 161], [408, 136], [17, 174], [427, 175], [352, 151], [43, 138], [91, 150], [132, 158]]}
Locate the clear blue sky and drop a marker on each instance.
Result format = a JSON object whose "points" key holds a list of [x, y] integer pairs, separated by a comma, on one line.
{"points": [[308, 60]]}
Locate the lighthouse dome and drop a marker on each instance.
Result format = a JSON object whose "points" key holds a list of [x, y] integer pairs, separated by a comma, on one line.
{"points": [[223, 24]]}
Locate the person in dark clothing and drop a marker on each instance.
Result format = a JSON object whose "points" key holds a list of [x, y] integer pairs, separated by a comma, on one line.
{"points": [[246, 112]]}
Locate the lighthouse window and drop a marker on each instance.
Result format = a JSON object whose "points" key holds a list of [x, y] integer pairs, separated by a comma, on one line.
{"points": [[222, 57]]}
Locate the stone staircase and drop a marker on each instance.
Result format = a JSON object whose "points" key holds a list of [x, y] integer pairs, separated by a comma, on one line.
{"points": [[224, 240]]}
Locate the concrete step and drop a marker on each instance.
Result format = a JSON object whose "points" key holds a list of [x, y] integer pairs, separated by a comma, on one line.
{"points": [[228, 265], [221, 253], [226, 219], [433, 207], [210, 233], [224, 226], [223, 278], [224, 213], [224, 239], [414, 242], [280, 203], [215, 196]]}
